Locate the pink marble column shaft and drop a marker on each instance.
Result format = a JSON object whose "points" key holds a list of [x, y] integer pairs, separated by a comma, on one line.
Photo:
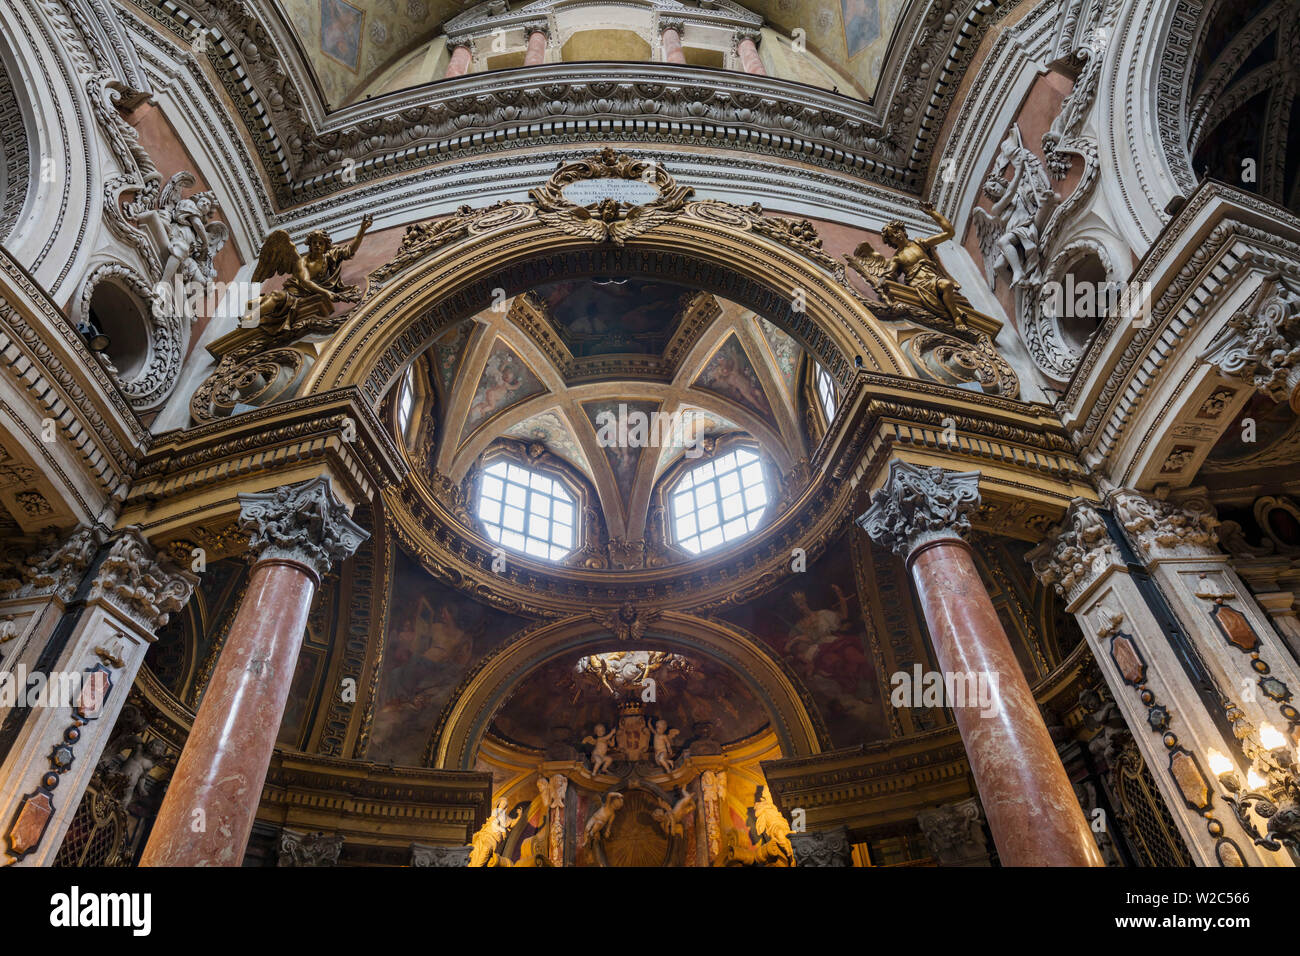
{"points": [[672, 41], [225, 760], [750, 61], [458, 65], [536, 52], [1031, 807]]}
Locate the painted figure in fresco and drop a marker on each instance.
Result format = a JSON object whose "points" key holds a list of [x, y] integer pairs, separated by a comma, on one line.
{"points": [[501, 388], [825, 647], [600, 758], [728, 372]]}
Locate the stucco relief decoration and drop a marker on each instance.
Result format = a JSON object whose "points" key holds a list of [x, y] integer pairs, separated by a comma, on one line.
{"points": [[610, 197], [304, 523], [1261, 345], [1018, 237], [918, 504], [1075, 552]]}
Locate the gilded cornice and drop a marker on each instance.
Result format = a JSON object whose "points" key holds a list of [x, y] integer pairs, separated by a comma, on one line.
{"points": [[181, 482]]}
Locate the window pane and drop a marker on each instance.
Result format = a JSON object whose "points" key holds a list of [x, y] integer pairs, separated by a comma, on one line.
{"points": [[718, 501]]}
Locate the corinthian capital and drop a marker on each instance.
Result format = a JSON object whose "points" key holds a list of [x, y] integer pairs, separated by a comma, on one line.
{"points": [[1261, 344], [1076, 551], [303, 523], [1165, 529], [919, 504], [135, 580]]}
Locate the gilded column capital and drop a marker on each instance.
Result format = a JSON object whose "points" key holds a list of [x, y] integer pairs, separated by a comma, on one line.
{"points": [[1160, 528], [143, 585], [919, 504], [1076, 551], [303, 523]]}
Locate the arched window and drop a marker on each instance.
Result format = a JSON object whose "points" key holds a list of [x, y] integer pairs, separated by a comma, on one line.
{"points": [[526, 511], [718, 501], [826, 394]]}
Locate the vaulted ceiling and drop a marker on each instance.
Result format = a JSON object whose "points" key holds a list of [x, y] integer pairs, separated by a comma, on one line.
{"points": [[349, 42], [546, 367]]}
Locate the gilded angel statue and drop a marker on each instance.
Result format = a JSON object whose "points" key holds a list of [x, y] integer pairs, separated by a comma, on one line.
{"points": [[920, 269], [489, 836], [315, 280]]}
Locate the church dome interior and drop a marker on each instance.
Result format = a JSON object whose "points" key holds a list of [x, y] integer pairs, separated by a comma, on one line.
{"points": [[649, 433]]}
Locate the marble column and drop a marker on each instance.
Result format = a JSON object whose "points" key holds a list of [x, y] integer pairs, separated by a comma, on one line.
{"points": [[114, 593], [1147, 680], [921, 514], [747, 51], [461, 55], [671, 36], [537, 40], [297, 531]]}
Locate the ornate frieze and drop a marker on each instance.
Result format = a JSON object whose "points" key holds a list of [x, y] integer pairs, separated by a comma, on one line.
{"points": [[919, 504], [1162, 529], [1076, 551], [304, 523]]}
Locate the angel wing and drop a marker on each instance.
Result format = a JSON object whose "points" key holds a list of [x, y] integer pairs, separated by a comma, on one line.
{"points": [[872, 266], [170, 194], [640, 220], [278, 256], [989, 230], [576, 221]]}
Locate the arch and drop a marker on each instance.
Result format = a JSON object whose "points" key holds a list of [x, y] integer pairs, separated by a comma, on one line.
{"points": [[513, 250], [467, 717]]}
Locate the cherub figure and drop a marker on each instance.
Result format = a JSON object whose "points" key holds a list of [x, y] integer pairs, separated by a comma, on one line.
{"points": [[315, 279], [915, 259], [663, 739], [671, 818], [600, 758], [601, 822]]}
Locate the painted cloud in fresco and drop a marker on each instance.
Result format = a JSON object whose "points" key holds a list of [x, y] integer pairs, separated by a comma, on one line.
{"points": [[554, 433]]}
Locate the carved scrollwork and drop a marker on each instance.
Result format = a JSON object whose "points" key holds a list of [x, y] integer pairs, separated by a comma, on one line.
{"points": [[247, 376], [153, 381], [954, 362], [1262, 345], [1075, 551], [797, 234], [634, 197]]}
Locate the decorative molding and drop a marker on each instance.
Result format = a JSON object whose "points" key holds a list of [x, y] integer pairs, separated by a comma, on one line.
{"points": [[1076, 552]]}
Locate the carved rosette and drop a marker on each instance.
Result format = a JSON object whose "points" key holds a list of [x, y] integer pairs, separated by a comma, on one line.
{"points": [[304, 523], [1165, 529], [1076, 551], [1262, 345], [145, 586], [919, 504]]}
